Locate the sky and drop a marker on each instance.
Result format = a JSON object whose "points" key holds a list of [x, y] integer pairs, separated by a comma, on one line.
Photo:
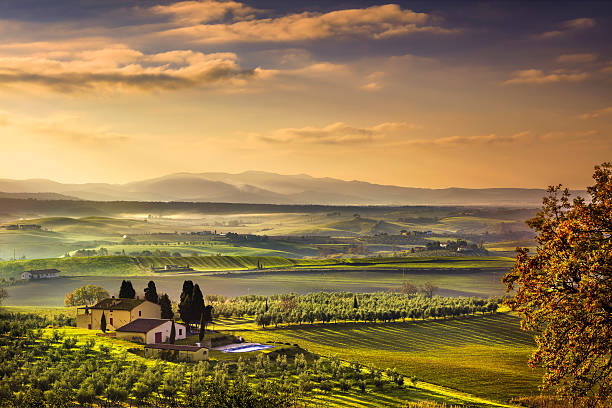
{"points": [[416, 93]]}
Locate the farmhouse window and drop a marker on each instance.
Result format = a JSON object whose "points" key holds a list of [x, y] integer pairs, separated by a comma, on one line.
{"points": [[139, 313]]}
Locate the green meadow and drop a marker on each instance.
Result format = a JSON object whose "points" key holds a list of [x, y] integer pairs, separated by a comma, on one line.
{"points": [[484, 356], [121, 265]]}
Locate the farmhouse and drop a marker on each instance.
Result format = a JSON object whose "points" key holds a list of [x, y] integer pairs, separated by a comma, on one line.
{"points": [[150, 331], [117, 312], [40, 274], [180, 352]]}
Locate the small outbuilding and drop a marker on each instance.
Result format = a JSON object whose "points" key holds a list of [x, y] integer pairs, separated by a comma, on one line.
{"points": [[180, 352], [40, 274], [151, 331]]}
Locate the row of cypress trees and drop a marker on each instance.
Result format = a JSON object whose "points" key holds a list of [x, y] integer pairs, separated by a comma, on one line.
{"points": [[192, 308]]}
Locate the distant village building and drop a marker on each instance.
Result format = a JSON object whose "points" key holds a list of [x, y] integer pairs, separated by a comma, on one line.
{"points": [[30, 227], [151, 331], [180, 352], [172, 268], [40, 274], [22, 227], [118, 313]]}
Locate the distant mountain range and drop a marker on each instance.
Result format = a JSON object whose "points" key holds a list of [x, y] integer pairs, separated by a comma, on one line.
{"points": [[263, 187]]}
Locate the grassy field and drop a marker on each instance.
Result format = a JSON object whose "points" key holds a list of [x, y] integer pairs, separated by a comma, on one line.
{"points": [[119, 265], [484, 356], [452, 282]]}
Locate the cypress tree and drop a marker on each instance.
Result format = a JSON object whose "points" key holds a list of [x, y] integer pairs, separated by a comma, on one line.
{"points": [[166, 307], [151, 293], [185, 308], [355, 304], [202, 327], [127, 290], [172, 333], [103, 323], [205, 319], [266, 304], [197, 303]]}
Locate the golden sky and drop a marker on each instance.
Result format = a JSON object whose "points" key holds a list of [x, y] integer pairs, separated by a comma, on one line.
{"points": [[423, 94]]}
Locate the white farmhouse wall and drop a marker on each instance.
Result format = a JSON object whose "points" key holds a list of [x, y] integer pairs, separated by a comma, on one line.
{"points": [[165, 331]]}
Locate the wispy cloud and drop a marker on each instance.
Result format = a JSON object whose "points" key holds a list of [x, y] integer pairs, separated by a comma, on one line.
{"points": [[576, 58], [375, 22], [373, 81], [597, 113], [64, 128], [336, 133], [569, 27], [470, 140], [537, 76]]}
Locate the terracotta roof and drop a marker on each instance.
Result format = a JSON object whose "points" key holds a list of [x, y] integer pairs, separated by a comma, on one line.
{"points": [[178, 347], [142, 325], [117, 304]]}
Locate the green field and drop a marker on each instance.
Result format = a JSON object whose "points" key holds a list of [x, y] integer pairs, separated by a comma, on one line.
{"points": [[451, 282], [119, 265], [485, 355]]}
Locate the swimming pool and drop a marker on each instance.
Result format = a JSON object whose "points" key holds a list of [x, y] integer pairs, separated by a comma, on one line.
{"points": [[243, 347]]}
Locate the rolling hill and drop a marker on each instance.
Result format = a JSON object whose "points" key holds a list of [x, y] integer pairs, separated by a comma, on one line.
{"points": [[262, 187]]}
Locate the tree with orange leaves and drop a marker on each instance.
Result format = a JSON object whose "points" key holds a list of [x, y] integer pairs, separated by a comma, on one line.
{"points": [[564, 292]]}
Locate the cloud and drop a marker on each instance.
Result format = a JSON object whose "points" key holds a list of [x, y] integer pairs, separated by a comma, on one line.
{"points": [[579, 23], [376, 22], [118, 67], [568, 27], [373, 81], [576, 58], [64, 128], [597, 113], [466, 140], [536, 76], [336, 133], [495, 139], [197, 12]]}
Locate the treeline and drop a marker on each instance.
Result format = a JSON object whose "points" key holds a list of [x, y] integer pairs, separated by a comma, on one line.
{"points": [[323, 307]]}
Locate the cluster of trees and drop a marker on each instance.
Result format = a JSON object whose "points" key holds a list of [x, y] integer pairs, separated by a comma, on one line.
{"points": [[86, 295], [428, 289], [455, 245], [156, 252], [326, 307], [41, 370], [90, 252], [239, 238], [127, 292], [192, 308]]}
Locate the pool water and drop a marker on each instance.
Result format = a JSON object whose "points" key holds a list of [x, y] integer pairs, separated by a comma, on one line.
{"points": [[245, 348]]}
